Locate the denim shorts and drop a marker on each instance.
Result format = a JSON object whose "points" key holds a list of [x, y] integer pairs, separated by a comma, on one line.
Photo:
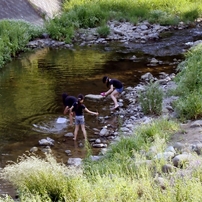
{"points": [[119, 90], [79, 120]]}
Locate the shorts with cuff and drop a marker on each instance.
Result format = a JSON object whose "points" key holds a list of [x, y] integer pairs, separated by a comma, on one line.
{"points": [[119, 90], [79, 120]]}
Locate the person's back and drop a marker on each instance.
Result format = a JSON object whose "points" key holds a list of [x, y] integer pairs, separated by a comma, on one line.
{"points": [[78, 108], [68, 101]]}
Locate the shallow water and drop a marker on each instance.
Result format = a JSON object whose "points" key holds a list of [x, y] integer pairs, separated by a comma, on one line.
{"points": [[31, 88]]}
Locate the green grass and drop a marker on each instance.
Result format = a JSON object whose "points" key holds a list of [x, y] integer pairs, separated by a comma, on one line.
{"points": [[189, 85], [122, 175], [93, 13], [151, 99], [14, 36]]}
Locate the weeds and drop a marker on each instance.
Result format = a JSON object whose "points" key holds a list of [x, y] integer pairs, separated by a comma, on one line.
{"points": [[151, 99]]}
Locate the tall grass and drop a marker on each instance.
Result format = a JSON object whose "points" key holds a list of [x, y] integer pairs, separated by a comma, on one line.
{"points": [[94, 13], [46, 180], [189, 85], [151, 99], [121, 156], [14, 36]]}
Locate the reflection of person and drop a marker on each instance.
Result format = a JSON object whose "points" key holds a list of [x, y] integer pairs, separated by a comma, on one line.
{"points": [[78, 107], [115, 88], [68, 101]]}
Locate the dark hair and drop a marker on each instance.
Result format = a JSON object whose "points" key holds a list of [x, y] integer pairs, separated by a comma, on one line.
{"points": [[64, 96], [104, 79], [80, 97]]}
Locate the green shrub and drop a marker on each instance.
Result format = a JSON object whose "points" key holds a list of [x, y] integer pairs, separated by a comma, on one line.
{"points": [[103, 31], [151, 99], [189, 106], [42, 178], [190, 15], [14, 36], [189, 85], [61, 28], [189, 77]]}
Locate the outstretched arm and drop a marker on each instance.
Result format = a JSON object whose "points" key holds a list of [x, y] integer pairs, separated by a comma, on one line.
{"points": [[66, 109], [71, 109], [91, 112], [110, 90]]}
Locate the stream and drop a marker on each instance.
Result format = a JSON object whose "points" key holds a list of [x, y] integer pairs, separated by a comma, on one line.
{"points": [[31, 88]]}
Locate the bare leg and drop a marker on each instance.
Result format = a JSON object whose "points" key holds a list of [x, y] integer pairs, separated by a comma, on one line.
{"points": [[114, 96], [76, 131], [84, 131]]}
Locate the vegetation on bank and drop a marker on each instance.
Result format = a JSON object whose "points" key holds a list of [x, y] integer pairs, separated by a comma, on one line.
{"points": [[14, 35], [123, 173], [92, 13], [189, 85]]}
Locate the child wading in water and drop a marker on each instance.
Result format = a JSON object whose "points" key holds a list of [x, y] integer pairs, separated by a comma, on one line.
{"points": [[68, 101], [115, 88], [78, 107]]}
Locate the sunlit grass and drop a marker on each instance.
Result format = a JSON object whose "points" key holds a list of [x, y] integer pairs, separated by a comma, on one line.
{"points": [[124, 175], [93, 13], [189, 85]]}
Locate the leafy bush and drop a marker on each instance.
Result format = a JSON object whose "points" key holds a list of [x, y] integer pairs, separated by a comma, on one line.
{"points": [[190, 15], [151, 99], [14, 36], [189, 106], [103, 31], [189, 85]]}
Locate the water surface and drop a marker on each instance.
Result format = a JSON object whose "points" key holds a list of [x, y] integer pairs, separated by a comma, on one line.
{"points": [[31, 87]]}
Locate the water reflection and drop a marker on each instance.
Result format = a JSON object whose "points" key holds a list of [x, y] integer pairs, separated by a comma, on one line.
{"points": [[31, 88]]}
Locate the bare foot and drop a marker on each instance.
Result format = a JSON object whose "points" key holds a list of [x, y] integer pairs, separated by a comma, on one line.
{"points": [[74, 138], [116, 108]]}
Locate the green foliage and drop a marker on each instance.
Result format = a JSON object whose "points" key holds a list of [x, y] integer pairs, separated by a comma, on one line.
{"points": [[103, 31], [44, 178], [61, 28], [161, 128], [125, 176], [121, 155], [190, 15], [189, 106], [151, 99], [92, 13], [14, 36], [90, 16], [189, 85]]}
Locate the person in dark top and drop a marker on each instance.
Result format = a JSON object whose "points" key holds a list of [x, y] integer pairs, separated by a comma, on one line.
{"points": [[115, 88], [79, 108], [68, 101]]}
